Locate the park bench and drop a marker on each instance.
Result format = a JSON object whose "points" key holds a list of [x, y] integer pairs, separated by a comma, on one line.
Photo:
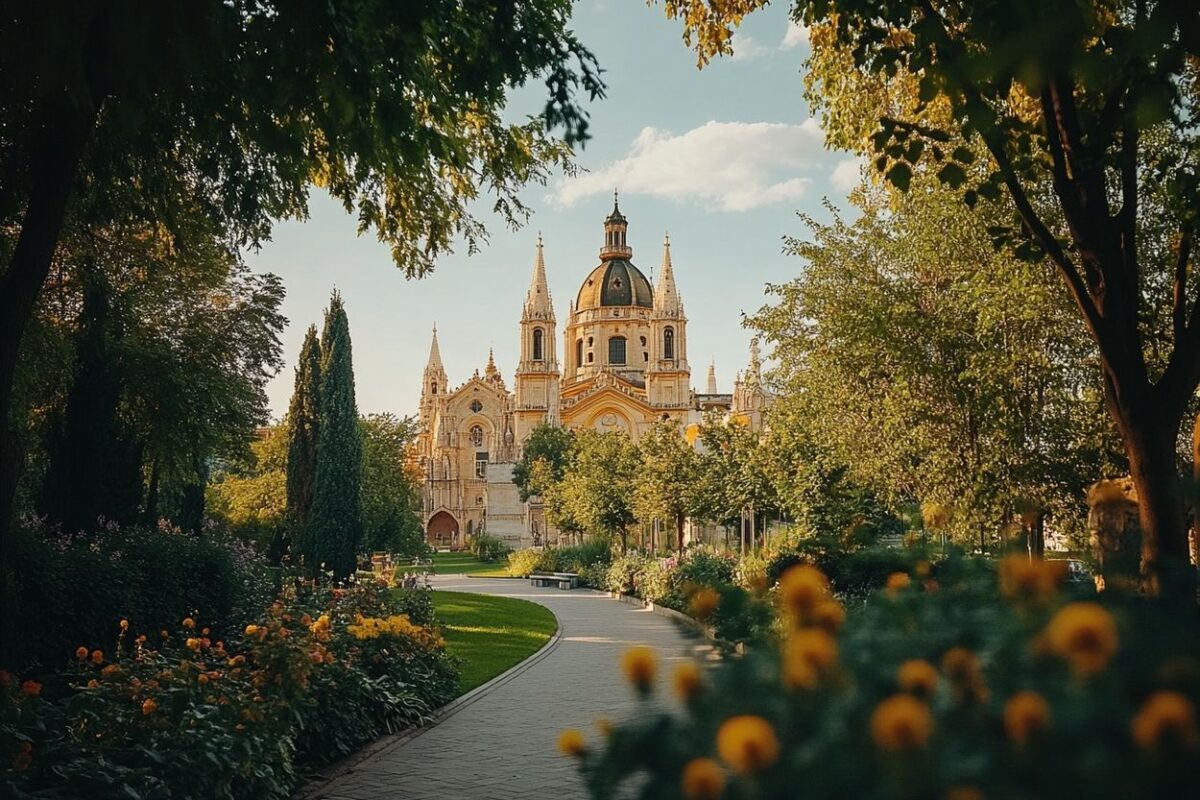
{"points": [[563, 580]]}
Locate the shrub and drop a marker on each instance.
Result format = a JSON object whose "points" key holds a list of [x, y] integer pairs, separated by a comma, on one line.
{"points": [[179, 714], [971, 686], [523, 562], [486, 547], [854, 573], [74, 589]]}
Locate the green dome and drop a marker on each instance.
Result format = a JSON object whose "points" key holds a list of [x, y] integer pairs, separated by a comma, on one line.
{"points": [[616, 282]]}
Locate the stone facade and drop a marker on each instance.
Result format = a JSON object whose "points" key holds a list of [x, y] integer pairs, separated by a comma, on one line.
{"points": [[624, 367]]}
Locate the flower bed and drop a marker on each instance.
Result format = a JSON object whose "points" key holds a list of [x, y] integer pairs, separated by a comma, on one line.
{"points": [[982, 684], [176, 713]]}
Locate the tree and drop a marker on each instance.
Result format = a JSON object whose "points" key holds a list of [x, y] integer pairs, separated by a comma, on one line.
{"points": [[336, 525], [303, 426], [666, 483], [146, 111], [546, 443], [391, 496], [251, 497], [936, 368], [733, 477], [598, 486], [1088, 111]]}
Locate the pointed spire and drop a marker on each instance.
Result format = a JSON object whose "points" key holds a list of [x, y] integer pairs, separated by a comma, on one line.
{"points": [[537, 299], [490, 370], [712, 378], [666, 296], [435, 354]]}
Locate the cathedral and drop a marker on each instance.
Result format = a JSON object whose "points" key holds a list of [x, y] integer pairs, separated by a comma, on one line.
{"points": [[623, 367]]}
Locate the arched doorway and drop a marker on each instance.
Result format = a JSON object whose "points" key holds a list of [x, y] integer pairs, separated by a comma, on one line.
{"points": [[442, 530]]}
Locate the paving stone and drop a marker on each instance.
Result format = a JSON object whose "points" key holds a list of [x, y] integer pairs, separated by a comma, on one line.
{"points": [[503, 744]]}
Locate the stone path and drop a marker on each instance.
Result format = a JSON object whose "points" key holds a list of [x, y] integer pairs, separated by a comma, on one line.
{"points": [[502, 744]]}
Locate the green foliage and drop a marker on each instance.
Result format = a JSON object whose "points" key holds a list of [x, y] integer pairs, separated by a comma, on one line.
{"points": [[488, 548], [598, 487], [1093, 730], [853, 572], [336, 528], [390, 493], [668, 480], [251, 498], [75, 589], [544, 459], [523, 562], [304, 419]]}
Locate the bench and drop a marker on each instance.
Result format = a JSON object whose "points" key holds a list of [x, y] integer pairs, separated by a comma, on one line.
{"points": [[563, 580]]}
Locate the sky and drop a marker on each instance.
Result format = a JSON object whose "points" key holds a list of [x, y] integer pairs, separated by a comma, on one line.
{"points": [[722, 158]]}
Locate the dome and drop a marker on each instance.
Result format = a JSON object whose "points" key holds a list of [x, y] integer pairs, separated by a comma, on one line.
{"points": [[616, 282]]}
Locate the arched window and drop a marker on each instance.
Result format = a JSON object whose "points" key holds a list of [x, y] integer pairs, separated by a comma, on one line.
{"points": [[579, 352], [433, 388], [669, 343], [476, 435], [616, 350], [537, 344]]}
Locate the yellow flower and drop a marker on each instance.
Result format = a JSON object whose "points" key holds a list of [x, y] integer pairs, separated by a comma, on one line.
{"points": [[917, 676], [897, 582], [807, 655], [703, 779], [81, 653], [963, 669], [1166, 716], [900, 723], [252, 630], [189, 623], [193, 644], [704, 603], [1025, 714], [747, 743], [570, 743], [963, 793], [802, 588], [829, 615], [640, 666], [687, 681], [1085, 635], [1036, 579], [149, 706], [922, 569]]}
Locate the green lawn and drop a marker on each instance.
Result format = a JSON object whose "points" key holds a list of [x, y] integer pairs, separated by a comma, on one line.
{"points": [[490, 634], [467, 564]]}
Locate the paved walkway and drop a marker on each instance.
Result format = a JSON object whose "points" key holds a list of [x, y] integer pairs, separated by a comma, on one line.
{"points": [[502, 745]]}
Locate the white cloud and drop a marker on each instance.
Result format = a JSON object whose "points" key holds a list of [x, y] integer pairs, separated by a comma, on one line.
{"points": [[734, 166], [746, 48], [846, 174], [795, 36]]}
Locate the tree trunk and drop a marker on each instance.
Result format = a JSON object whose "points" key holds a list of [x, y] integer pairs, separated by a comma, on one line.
{"points": [[679, 532], [59, 139]]}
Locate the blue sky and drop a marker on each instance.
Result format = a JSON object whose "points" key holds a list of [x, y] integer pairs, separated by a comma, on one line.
{"points": [[722, 158]]}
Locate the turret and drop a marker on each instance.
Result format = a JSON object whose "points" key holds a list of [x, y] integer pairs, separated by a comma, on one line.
{"points": [[615, 229]]}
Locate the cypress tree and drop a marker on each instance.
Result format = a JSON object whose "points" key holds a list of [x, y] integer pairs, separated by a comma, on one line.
{"points": [[336, 523], [303, 424]]}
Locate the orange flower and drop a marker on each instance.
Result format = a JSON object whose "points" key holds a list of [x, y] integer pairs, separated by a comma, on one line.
{"points": [[81, 653], [917, 676], [149, 706], [829, 615], [124, 624], [1033, 579], [703, 779], [193, 644], [963, 793], [31, 688], [189, 623], [897, 582], [109, 671], [802, 588], [807, 655], [1165, 716], [687, 681], [640, 666], [747, 743], [571, 743], [900, 723], [252, 630], [704, 603], [93, 684], [1084, 635], [97, 657], [962, 667], [1025, 714]]}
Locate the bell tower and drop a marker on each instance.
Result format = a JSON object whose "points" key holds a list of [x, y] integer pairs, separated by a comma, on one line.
{"points": [[668, 379], [537, 371], [433, 383]]}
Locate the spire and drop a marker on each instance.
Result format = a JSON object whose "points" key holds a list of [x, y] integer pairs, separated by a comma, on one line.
{"points": [[490, 370], [435, 354], [754, 372], [712, 378], [666, 296], [537, 299], [616, 228]]}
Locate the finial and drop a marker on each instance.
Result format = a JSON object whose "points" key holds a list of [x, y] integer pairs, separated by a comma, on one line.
{"points": [[667, 238], [539, 238]]}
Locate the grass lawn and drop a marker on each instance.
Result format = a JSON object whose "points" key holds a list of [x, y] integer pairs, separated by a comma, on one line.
{"points": [[467, 564], [490, 634]]}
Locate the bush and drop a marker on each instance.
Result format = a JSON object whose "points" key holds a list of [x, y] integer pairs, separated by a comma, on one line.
{"points": [[74, 589], [178, 714], [488, 548], [523, 562], [589, 560], [853, 573], [970, 686]]}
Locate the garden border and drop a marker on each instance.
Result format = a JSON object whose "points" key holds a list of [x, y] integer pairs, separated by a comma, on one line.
{"points": [[311, 790]]}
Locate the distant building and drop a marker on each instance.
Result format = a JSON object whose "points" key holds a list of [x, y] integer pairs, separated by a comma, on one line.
{"points": [[624, 367]]}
